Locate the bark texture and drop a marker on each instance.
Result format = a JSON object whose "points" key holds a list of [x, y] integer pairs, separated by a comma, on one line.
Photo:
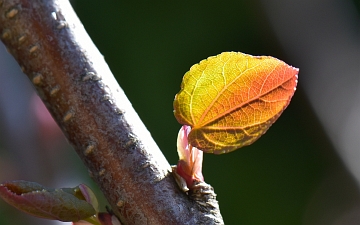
{"points": [[71, 77]]}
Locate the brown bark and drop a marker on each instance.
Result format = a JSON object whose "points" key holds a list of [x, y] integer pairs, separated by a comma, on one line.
{"points": [[70, 75]]}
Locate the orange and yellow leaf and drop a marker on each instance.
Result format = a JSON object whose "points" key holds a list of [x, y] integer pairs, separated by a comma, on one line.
{"points": [[231, 99]]}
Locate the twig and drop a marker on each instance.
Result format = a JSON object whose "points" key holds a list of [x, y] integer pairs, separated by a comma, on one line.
{"points": [[71, 77]]}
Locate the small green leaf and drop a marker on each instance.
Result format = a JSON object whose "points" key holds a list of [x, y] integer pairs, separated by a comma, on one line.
{"points": [[58, 204]]}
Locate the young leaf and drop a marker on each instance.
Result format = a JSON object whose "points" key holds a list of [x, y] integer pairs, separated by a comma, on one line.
{"points": [[231, 99], [59, 204]]}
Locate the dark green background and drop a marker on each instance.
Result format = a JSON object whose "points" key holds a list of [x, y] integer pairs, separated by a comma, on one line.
{"points": [[150, 45]]}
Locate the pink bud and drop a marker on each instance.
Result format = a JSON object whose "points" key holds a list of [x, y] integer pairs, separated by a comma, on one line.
{"points": [[190, 158]]}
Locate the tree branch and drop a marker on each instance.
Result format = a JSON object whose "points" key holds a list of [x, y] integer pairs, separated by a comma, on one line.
{"points": [[71, 77]]}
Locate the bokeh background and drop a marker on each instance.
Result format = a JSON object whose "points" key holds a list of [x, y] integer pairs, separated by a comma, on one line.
{"points": [[304, 170]]}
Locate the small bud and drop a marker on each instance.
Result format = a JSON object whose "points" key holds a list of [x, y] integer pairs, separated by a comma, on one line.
{"points": [[190, 158]]}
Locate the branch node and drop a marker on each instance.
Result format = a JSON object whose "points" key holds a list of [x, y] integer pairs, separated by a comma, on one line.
{"points": [[70, 114], [120, 203], [21, 39], [54, 90], [87, 76], [37, 79], [102, 172], [33, 49], [89, 149], [118, 111], [12, 12]]}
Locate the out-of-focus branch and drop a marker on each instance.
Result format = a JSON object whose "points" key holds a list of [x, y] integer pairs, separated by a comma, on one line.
{"points": [[70, 75]]}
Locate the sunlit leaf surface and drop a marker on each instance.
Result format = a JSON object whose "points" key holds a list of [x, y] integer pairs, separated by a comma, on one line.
{"points": [[231, 99]]}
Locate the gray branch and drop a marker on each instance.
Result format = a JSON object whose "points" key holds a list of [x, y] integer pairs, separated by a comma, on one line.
{"points": [[71, 77]]}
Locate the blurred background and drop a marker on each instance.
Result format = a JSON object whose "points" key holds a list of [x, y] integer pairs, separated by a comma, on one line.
{"points": [[304, 170]]}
